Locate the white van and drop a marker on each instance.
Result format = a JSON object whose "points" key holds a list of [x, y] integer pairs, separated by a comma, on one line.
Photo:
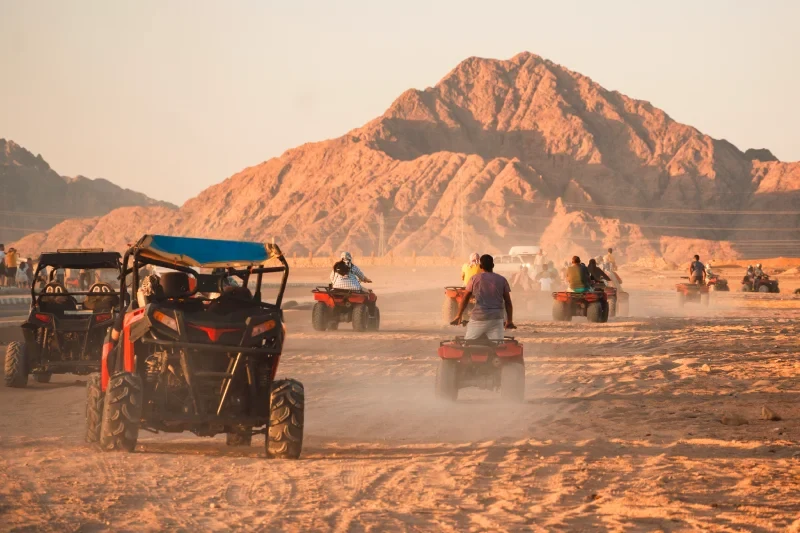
{"points": [[524, 250]]}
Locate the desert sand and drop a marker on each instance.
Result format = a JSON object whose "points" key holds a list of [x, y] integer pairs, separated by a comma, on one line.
{"points": [[621, 430]]}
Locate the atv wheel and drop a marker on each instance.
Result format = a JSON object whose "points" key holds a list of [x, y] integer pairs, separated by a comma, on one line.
{"points": [[612, 308], [240, 436], [319, 316], [16, 366], [512, 382], [449, 310], [122, 412], [374, 322], [43, 377], [286, 416], [94, 408], [763, 288], [594, 312], [561, 311], [606, 311], [681, 300], [360, 317], [447, 380], [745, 287], [705, 299]]}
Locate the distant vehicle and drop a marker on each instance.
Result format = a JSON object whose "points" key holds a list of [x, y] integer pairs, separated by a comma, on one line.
{"points": [[762, 283], [524, 250], [692, 293], [496, 365]]}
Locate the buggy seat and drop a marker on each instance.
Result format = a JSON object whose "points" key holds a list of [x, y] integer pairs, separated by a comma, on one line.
{"points": [[56, 299]]}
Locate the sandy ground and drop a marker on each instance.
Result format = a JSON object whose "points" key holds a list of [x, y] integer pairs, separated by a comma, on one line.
{"points": [[620, 431]]}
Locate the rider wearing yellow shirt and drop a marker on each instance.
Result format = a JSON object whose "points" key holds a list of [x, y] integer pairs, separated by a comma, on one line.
{"points": [[470, 269]]}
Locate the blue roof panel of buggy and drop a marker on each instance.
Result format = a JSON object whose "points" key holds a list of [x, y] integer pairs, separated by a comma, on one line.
{"points": [[192, 252]]}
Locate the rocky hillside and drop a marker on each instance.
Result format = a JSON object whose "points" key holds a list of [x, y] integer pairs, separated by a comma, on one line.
{"points": [[33, 197], [509, 152]]}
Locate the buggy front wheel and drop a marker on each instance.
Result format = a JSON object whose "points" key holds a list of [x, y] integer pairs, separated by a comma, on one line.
{"points": [[286, 419]]}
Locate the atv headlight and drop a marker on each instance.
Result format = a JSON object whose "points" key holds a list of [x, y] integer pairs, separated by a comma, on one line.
{"points": [[167, 320], [260, 329]]}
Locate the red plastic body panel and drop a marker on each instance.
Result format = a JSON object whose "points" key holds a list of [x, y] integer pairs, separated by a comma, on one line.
{"points": [[480, 354], [107, 347], [565, 296], [336, 299]]}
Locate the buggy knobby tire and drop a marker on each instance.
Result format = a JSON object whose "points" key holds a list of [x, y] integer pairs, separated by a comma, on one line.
{"points": [[122, 412], [240, 436], [43, 377], [16, 367], [319, 316], [374, 321], [286, 418], [360, 317], [94, 408], [594, 312], [763, 288], [562, 312], [449, 310], [447, 380], [512, 382]]}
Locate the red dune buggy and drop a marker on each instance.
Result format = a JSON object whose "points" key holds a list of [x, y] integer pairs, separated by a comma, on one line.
{"points": [[593, 305], [342, 305], [692, 293], [485, 364], [187, 362], [453, 296]]}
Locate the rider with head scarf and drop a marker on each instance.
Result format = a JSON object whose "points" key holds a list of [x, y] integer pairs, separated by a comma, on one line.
{"points": [[346, 275], [470, 268]]}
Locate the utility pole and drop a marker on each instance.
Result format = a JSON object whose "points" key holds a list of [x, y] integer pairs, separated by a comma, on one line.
{"points": [[381, 236]]}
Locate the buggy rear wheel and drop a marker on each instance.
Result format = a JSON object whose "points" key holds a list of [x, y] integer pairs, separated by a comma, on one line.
{"points": [[360, 317], [16, 366], [286, 419], [94, 408], [43, 377], [449, 310], [122, 413], [512, 382], [240, 436], [594, 312], [319, 316], [447, 380], [561, 311]]}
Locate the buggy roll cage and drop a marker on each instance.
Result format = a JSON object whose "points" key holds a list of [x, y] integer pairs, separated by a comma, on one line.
{"points": [[90, 260], [244, 274]]}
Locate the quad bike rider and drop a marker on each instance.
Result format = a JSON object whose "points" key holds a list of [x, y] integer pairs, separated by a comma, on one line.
{"points": [[581, 298], [756, 280], [696, 290], [454, 295], [714, 282], [344, 300], [179, 361], [484, 357], [64, 331]]}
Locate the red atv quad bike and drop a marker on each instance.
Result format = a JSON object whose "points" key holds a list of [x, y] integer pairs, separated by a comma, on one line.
{"points": [[593, 305], [342, 305], [717, 284], [187, 362], [485, 364], [692, 293], [762, 284], [453, 296]]}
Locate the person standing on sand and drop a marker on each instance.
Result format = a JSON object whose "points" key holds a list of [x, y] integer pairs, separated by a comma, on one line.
{"points": [[11, 267], [609, 263], [697, 271], [492, 297], [2, 264]]}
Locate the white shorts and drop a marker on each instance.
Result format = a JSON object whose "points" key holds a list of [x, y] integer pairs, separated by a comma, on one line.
{"points": [[493, 329]]}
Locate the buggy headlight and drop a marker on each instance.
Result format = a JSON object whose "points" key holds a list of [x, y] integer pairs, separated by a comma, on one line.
{"points": [[167, 320], [262, 328]]}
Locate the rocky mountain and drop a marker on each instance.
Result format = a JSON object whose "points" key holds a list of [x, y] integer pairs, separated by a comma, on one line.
{"points": [[33, 197], [503, 152]]}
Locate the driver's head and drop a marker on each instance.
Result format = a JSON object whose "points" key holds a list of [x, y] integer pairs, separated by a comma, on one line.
{"points": [[346, 257], [576, 260], [487, 263], [758, 265]]}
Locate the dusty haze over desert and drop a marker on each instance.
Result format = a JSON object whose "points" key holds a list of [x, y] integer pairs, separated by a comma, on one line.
{"points": [[412, 135]]}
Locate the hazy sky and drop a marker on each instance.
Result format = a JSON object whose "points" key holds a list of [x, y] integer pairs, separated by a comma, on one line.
{"points": [[168, 97]]}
